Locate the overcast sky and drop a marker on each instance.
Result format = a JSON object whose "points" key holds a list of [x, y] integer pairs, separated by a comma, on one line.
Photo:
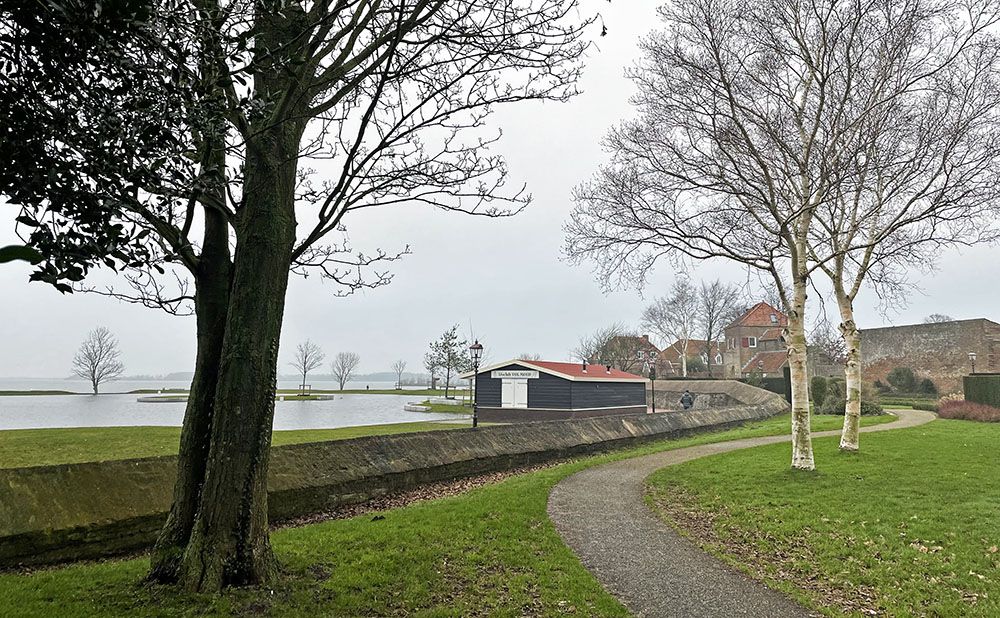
{"points": [[505, 277]]}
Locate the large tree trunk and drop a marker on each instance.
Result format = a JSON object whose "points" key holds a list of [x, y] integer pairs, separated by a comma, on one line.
{"points": [[229, 542], [849, 440], [802, 452], [211, 304]]}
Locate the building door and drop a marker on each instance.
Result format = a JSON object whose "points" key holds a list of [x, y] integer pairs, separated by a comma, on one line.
{"points": [[514, 393]]}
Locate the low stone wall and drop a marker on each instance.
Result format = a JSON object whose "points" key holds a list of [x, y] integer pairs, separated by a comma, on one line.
{"points": [[69, 512], [713, 394]]}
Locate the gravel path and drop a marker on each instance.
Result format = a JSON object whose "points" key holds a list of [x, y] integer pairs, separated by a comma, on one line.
{"points": [[601, 514]]}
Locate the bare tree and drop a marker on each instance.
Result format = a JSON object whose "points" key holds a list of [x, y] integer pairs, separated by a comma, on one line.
{"points": [[718, 305], [749, 122], [99, 359], [343, 367], [615, 345], [937, 318], [926, 169], [308, 356], [674, 318], [529, 356], [829, 344], [399, 367]]}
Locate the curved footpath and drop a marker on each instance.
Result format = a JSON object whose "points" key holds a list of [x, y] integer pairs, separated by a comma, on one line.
{"points": [[601, 514]]}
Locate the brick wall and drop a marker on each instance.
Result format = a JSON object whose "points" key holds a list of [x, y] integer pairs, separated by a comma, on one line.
{"points": [[937, 351]]}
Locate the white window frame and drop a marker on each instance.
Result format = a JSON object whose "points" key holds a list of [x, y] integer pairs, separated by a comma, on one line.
{"points": [[751, 342]]}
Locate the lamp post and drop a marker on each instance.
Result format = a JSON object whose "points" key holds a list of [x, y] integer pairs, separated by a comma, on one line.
{"points": [[652, 384], [476, 351], [972, 359]]}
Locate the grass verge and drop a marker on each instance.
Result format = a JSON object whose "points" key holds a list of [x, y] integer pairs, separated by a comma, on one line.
{"points": [[905, 528], [42, 447], [490, 552]]}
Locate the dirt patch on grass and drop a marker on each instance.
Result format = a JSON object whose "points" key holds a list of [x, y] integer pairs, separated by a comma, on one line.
{"points": [[761, 555], [431, 491]]}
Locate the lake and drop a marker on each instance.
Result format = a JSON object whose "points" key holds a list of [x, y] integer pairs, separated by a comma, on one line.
{"points": [[109, 410]]}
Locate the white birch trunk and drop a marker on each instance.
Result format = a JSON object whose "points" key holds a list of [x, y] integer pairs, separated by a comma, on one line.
{"points": [[849, 437], [684, 360], [802, 452]]}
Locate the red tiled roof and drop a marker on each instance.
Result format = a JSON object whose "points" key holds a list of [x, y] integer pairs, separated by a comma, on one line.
{"points": [[695, 348], [771, 334], [576, 370], [642, 341], [767, 362], [760, 315]]}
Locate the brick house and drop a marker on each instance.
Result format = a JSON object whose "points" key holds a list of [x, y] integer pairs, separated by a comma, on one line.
{"points": [[633, 354], [939, 351], [670, 357], [754, 343]]}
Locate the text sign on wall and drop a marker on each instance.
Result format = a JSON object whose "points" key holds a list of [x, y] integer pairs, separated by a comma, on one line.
{"points": [[514, 373]]}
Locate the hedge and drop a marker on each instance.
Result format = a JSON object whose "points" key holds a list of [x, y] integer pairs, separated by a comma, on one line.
{"points": [[983, 388]]}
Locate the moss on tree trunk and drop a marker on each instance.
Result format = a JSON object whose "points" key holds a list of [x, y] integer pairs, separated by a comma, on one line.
{"points": [[211, 307], [229, 542]]}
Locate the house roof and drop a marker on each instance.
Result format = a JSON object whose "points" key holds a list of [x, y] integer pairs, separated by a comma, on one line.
{"points": [[636, 340], [767, 362], [771, 334], [569, 371], [760, 315], [695, 348]]}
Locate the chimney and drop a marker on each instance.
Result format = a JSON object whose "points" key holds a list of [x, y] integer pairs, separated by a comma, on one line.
{"points": [[645, 338], [608, 368], [585, 366]]}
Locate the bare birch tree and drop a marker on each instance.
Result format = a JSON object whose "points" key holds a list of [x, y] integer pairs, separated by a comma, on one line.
{"points": [[343, 367], [748, 122], [674, 318], [927, 165], [308, 356], [399, 367], [99, 359]]}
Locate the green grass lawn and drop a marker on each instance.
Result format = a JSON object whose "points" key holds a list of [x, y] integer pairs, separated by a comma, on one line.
{"points": [[444, 408], [40, 447], [490, 552], [907, 528]]}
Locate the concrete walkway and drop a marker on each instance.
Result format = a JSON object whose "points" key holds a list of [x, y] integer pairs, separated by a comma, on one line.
{"points": [[601, 514]]}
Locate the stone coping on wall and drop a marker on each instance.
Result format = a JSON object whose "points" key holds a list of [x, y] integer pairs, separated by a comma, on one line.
{"points": [[88, 510]]}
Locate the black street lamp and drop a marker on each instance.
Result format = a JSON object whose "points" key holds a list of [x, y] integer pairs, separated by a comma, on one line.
{"points": [[476, 351], [652, 384], [972, 359]]}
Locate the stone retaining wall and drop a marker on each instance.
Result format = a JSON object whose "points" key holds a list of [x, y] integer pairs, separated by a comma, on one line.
{"points": [[75, 511]]}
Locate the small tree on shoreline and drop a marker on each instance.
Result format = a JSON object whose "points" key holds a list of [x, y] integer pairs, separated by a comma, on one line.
{"points": [[308, 356], [343, 367], [99, 359], [399, 367]]}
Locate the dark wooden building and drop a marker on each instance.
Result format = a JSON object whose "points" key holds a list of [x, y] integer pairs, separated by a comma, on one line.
{"points": [[519, 390]]}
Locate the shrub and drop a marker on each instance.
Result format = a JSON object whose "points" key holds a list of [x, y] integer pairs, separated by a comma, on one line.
{"points": [[836, 403], [818, 387], [902, 379], [983, 388], [927, 387], [882, 387], [923, 405], [969, 411]]}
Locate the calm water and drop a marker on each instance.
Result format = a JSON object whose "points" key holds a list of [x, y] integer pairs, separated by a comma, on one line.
{"points": [[39, 411], [124, 386]]}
